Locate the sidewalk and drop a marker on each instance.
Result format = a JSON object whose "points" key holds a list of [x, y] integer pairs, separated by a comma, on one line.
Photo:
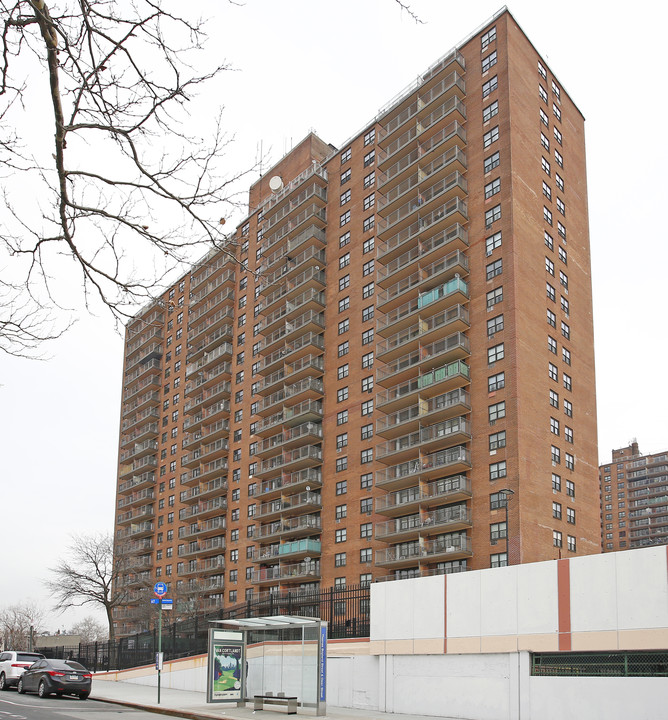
{"points": [[193, 705]]}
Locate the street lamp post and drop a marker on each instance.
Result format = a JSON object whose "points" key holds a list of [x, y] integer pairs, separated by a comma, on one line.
{"points": [[506, 493]]}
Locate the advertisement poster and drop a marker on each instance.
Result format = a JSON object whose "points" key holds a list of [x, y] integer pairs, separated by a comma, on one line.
{"points": [[227, 670]]}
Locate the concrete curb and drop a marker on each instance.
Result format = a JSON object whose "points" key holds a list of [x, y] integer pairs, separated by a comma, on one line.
{"points": [[189, 714]]}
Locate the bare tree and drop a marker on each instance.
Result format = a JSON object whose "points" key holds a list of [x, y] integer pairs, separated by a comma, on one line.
{"points": [[108, 167], [93, 575], [89, 629], [16, 622]]}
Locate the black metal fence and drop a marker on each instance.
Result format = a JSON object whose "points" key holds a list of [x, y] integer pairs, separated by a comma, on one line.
{"points": [[346, 611], [601, 664]]}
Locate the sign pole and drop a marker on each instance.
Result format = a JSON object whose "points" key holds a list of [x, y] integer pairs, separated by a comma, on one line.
{"points": [[159, 646]]}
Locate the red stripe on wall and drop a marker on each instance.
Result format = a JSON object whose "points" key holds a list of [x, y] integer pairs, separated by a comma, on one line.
{"points": [[564, 603], [445, 612]]}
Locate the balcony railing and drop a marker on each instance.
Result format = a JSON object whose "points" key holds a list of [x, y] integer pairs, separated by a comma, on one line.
{"points": [[441, 491], [308, 524], [442, 432], [200, 529], [283, 573], [307, 455], [309, 430], [440, 520], [443, 462], [291, 482], [423, 412], [290, 504], [312, 386]]}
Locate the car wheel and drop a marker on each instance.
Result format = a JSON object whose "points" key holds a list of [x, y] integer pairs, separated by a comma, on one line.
{"points": [[84, 695], [41, 690], [3, 682], [20, 687]]}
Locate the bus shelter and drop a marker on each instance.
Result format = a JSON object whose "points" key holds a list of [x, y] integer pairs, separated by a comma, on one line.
{"points": [[279, 659]]}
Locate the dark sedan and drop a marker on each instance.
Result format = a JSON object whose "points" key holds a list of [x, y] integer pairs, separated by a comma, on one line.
{"points": [[63, 677]]}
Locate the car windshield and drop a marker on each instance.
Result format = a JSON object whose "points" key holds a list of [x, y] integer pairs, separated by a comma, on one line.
{"points": [[28, 657], [66, 665]]}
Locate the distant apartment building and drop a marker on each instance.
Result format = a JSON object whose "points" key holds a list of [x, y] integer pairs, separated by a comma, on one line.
{"points": [[634, 499], [390, 373]]}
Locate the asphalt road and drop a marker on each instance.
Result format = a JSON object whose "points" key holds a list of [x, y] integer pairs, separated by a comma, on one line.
{"points": [[30, 707]]}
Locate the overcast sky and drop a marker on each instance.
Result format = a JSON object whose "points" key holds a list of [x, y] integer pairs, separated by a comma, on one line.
{"points": [[329, 66]]}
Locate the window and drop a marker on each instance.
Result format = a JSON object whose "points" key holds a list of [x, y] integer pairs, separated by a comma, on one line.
{"points": [[492, 242], [551, 319], [368, 245], [570, 461], [568, 383], [366, 481], [494, 269], [367, 336], [340, 535], [368, 223], [492, 161], [554, 426], [344, 326], [342, 394], [490, 86], [568, 408], [367, 407], [369, 201], [369, 137], [341, 487], [341, 464], [549, 265], [369, 158], [367, 291], [366, 456], [496, 412], [545, 141], [345, 218], [346, 155], [551, 294], [341, 512], [495, 353], [554, 399], [489, 61], [555, 454], [366, 530], [487, 38], [497, 470], [547, 190], [557, 135], [570, 516], [343, 348], [560, 181], [342, 417], [342, 371], [542, 92], [339, 559], [494, 325], [492, 215], [490, 111], [556, 482], [490, 137], [344, 261], [370, 179], [345, 176], [556, 510], [558, 158], [561, 230], [556, 110], [556, 538], [341, 441], [365, 555], [367, 360], [498, 560], [344, 239], [492, 188], [344, 303], [367, 431], [498, 531], [494, 296], [566, 356], [345, 196], [344, 282], [565, 330], [497, 440], [544, 118], [546, 166], [367, 267], [563, 255], [496, 382], [572, 546], [367, 384], [561, 206], [570, 488], [547, 215]]}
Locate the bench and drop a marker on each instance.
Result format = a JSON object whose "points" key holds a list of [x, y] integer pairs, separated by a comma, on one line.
{"points": [[259, 701]]}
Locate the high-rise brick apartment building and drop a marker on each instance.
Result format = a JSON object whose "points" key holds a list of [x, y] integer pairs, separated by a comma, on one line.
{"points": [[634, 499], [412, 338]]}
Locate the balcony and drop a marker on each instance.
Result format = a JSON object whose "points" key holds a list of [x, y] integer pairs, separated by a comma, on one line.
{"points": [[202, 548], [426, 495], [453, 461], [226, 280], [146, 383], [214, 430], [296, 572], [313, 214], [299, 549], [149, 353], [311, 299], [202, 492], [309, 479], [309, 365], [290, 505], [289, 439], [446, 547], [314, 171], [152, 333], [222, 352], [210, 414], [210, 379], [411, 527], [214, 450], [310, 388], [139, 372], [429, 384], [149, 462], [289, 208], [307, 411], [215, 467], [210, 324], [135, 531], [147, 414], [424, 440], [139, 450], [138, 481], [307, 344], [203, 510], [214, 262], [145, 432], [209, 342], [225, 296], [146, 495], [432, 302], [309, 322], [203, 567], [140, 403], [422, 333], [298, 459], [290, 527], [424, 412], [303, 252], [425, 358], [136, 515], [203, 529]]}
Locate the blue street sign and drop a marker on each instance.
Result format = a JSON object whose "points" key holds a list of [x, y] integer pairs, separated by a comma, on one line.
{"points": [[160, 589], [165, 601], [155, 601]]}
